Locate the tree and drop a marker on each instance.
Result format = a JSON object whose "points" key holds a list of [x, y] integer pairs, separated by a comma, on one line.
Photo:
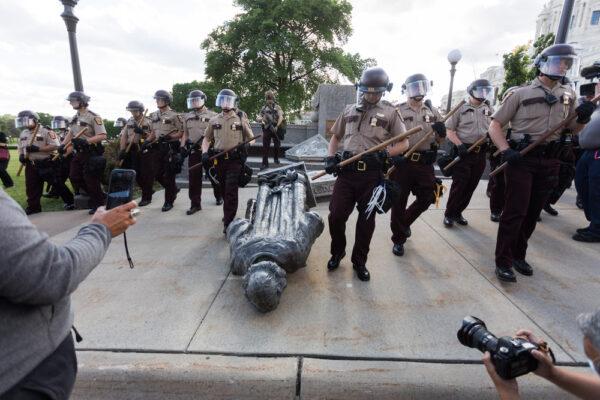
{"points": [[289, 46], [181, 90], [516, 67], [7, 125], [111, 131], [45, 118], [540, 44]]}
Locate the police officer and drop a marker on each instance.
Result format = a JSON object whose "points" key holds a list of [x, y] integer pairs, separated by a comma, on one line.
{"points": [[86, 134], [36, 144], [195, 123], [531, 111], [226, 130], [60, 126], [271, 116], [360, 126], [166, 132], [4, 159], [416, 173], [468, 125], [134, 133]]}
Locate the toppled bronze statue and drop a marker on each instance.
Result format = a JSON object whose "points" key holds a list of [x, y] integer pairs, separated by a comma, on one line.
{"points": [[276, 236]]}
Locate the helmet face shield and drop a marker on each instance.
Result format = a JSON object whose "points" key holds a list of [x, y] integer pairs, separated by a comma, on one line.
{"points": [[58, 124], [558, 66], [226, 102], [119, 123], [417, 88], [195, 102], [24, 122], [483, 93]]}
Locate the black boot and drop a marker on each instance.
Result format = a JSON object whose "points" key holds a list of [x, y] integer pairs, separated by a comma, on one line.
{"points": [[144, 203], [193, 210], [495, 217], [461, 220], [219, 201], [167, 206], [506, 274], [334, 262], [550, 210], [398, 249], [522, 267], [362, 272], [448, 222]]}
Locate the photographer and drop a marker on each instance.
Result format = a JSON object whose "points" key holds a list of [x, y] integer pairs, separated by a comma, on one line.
{"points": [[36, 280], [584, 386]]}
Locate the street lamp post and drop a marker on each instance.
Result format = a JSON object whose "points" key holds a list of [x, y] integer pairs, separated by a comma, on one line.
{"points": [[453, 58], [71, 23]]}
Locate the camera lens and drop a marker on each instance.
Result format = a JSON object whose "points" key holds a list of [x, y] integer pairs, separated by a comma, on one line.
{"points": [[473, 333]]}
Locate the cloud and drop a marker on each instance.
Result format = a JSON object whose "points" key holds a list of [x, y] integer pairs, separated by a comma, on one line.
{"points": [[129, 49]]}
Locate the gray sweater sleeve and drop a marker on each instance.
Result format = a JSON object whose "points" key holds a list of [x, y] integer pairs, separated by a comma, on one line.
{"points": [[35, 271], [589, 137]]}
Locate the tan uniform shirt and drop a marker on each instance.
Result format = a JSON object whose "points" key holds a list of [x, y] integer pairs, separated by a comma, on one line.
{"points": [[359, 131], [471, 122], [44, 137], [166, 122], [196, 122], [423, 117], [528, 112], [268, 110], [228, 130], [127, 133], [90, 120]]}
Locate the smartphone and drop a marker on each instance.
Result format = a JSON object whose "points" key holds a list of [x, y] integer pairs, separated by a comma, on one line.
{"points": [[120, 187]]}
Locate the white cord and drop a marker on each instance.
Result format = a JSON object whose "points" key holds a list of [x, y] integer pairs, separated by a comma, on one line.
{"points": [[375, 203]]}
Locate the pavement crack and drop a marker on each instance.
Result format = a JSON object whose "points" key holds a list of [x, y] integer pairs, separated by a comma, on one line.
{"points": [[207, 311], [503, 294]]}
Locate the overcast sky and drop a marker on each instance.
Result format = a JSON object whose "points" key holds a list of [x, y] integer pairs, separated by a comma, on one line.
{"points": [[130, 48]]}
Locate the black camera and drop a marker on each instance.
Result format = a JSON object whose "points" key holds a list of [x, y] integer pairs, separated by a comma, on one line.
{"points": [[511, 356]]}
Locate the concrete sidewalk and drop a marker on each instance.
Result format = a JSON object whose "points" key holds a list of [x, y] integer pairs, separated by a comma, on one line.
{"points": [[178, 326]]}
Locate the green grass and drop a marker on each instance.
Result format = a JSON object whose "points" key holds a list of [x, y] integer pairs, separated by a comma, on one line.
{"points": [[17, 192]]}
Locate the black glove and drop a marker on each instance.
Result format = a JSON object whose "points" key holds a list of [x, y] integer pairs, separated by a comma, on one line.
{"points": [[512, 157], [138, 131], [32, 148], [22, 159], [61, 149], [463, 150], [398, 160], [331, 164], [80, 143], [122, 154], [382, 156], [164, 139], [439, 128], [584, 112], [205, 159], [184, 151]]}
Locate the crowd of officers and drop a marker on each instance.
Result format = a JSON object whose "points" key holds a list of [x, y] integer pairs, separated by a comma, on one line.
{"points": [[155, 146], [517, 196]]}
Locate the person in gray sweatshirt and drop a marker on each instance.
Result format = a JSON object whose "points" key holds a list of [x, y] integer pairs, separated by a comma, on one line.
{"points": [[587, 179], [37, 277]]}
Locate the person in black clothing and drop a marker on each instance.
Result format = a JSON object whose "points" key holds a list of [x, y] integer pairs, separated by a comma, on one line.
{"points": [[4, 158]]}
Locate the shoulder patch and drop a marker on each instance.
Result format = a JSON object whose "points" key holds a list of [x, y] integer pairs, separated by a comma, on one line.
{"points": [[98, 120], [507, 95]]}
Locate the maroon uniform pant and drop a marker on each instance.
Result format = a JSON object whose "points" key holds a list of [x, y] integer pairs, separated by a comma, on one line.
{"points": [[528, 186], [418, 178], [195, 180], [496, 187], [228, 174], [267, 137], [164, 174], [352, 188], [465, 178], [91, 183]]}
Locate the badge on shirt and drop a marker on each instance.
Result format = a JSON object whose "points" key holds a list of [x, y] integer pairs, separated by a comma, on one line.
{"points": [[487, 112], [52, 135], [98, 120], [427, 118], [373, 121], [234, 126]]}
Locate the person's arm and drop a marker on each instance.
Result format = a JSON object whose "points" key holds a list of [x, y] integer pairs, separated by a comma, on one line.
{"points": [[334, 143], [96, 138], [498, 136], [280, 115], [34, 270], [584, 386], [508, 389], [453, 137], [397, 128]]}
